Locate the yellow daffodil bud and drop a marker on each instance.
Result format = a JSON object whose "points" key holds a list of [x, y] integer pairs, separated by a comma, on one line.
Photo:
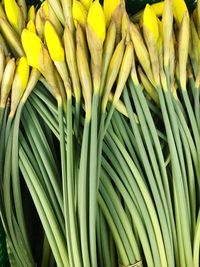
{"points": [[183, 49], [79, 13], [31, 26], [84, 72], [167, 28], [44, 13], [124, 72], [33, 48], [11, 37], [98, 26], [14, 15], [31, 13], [2, 63], [71, 61], [38, 57], [21, 74], [53, 42], [86, 3], [109, 7], [47, 13], [113, 72], [67, 11], [7, 81], [179, 7], [157, 8], [19, 83], [56, 52], [108, 49], [141, 51], [150, 22], [96, 30], [151, 35]]}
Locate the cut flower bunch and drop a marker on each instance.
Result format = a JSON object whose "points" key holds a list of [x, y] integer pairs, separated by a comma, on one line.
{"points": [[100, 134]]}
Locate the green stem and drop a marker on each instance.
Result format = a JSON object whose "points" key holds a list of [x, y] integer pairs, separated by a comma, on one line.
{"points": [[196, 247], [46, 252], [70, 186], [116, 236], [136, 201], [64, 177], [44, 211], [152, 177], [16, 185], [104, 240], [117, 222], [2, 110], [147, 197], [8, 203], [2, 140], [93, 180], [179, 187], [83, 193], [48, 181]]}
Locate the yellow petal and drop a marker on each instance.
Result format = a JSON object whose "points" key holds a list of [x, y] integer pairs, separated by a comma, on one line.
{"points": [[96, 20], [150, 21], [23, 72], [158, 8], [13, 14], [79, 13], [31, 13], [53, 42], [31, 26], [19, 83], [33, 47], [86, 3], [179, 8], [109, 7]]}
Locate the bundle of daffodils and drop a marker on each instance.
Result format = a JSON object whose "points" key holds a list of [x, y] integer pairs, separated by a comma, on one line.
{"points": [[100, 134]]}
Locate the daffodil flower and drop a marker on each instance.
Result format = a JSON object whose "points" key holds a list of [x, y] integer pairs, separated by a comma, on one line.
{"points": [[32, 45], [79, 13], [31, 26], [14, 15], [19, 83], [179, 8], [96, 20], [109, 7], [53, 43], [150, 22], [86, 3], [151, 35], [31, 13], [57, 54]]}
